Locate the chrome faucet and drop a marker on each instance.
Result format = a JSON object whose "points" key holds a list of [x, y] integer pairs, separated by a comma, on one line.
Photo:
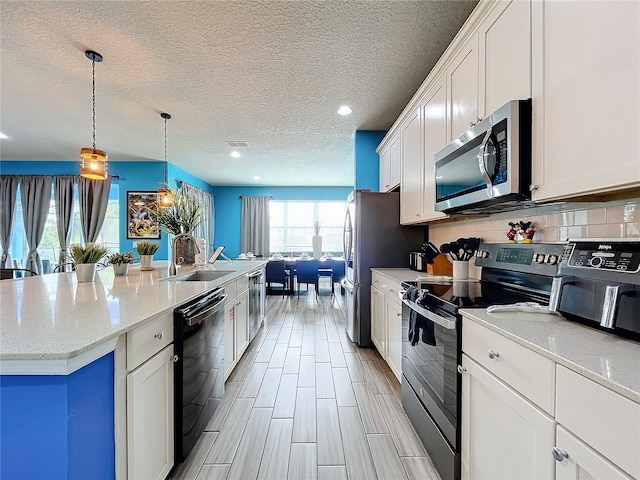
{"points": [[172, 268]]}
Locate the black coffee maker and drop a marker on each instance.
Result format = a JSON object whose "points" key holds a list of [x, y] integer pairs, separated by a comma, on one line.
{"points": [[598, 284]]}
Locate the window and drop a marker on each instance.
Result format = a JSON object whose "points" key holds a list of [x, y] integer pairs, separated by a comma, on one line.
{"points": [[292, 225], [49, 248]]}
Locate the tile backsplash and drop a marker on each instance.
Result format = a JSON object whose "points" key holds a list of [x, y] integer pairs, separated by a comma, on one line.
{"points": [[553, 223]]}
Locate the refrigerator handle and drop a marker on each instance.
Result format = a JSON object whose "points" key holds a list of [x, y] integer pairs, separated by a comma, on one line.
{"points": [[347, 237]]}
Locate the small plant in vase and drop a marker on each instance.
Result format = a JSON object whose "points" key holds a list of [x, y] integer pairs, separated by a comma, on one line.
{"points": [[85, 259], [146, 250], [121, 262]]}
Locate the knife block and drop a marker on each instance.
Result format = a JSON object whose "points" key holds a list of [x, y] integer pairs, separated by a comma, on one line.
{"points": [[441, 266]]}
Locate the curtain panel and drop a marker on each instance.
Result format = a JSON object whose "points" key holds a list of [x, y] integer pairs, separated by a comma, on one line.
{"points": [[94, 198], [206, 227], [35, 196], [8, 203], [63, 195], [254, 233]]}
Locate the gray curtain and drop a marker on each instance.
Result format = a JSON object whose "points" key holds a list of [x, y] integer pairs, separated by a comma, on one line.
{"points": [[8, 197], [206, 228], [254, 233], [94, 198], [63, 193], [35, 196]]}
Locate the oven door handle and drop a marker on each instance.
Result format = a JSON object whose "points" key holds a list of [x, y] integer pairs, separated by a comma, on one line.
{"points": [[435, 318], [200, 316]]}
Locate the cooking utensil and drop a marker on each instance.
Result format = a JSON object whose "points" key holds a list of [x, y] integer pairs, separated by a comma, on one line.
{"points": [[430, 252]]}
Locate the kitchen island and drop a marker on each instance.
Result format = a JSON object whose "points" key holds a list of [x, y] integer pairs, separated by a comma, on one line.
{"points": [[62, 356]]}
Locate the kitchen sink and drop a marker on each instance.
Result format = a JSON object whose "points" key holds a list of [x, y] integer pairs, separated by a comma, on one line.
{"points": [[200, 276]]}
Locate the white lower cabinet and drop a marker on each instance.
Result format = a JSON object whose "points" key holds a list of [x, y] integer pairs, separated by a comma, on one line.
{"points": [[386, 321], [504, 436], [577, 461], [150, 418], [236, 329]]}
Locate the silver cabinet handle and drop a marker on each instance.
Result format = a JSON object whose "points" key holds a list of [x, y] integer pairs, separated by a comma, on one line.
{"points": [[461, 369], [391, 290], [533, 187], [493, 354], [398, 314], [159, 335], [174, 358], [559, 454]]}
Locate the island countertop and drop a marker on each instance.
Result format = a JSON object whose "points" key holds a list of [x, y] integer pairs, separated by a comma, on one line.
{"points": [[55, 318]]}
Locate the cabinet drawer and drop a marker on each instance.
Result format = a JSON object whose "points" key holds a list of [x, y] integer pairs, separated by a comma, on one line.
{"points": [[388, 286], [242, 283], [231, 290], [606, 421], [524, 370], [148, 339], [377, 279]]}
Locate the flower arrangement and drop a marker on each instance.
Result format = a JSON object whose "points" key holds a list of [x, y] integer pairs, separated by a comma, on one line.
{"points": [[316, 226], [121, 258], [145, 247], [87, 253], [181, 215]]}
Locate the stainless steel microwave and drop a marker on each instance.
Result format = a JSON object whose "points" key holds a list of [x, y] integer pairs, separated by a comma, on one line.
{"points": [[488, 168]]}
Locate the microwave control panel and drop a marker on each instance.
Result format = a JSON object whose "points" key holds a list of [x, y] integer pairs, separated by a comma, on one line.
{"points": [[603, 255]]}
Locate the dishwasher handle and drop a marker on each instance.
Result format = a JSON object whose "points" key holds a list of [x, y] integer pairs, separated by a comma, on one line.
{"points": [[200, 315]]}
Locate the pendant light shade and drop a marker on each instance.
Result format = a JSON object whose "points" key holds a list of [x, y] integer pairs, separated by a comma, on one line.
{"points": [[93, 162], [165, 198]]}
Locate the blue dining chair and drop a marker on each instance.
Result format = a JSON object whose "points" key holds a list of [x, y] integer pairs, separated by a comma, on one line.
{"points": [[307, 273], [277, 273]]}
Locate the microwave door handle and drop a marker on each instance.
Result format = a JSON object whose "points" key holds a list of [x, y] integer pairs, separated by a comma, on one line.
{"points": [[483, 168]]}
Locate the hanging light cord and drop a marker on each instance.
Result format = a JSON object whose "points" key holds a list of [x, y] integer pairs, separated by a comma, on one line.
{"points": [[166, 172], [93, 87]]}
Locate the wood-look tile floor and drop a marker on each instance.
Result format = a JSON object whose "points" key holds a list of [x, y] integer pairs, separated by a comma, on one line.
{"points": [[306, 403]]}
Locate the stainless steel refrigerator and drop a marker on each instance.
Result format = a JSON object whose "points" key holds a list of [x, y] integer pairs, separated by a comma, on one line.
{"points": [[372, 237]]}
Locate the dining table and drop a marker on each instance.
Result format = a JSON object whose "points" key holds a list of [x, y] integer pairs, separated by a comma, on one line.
{"points": [[326, 264]]}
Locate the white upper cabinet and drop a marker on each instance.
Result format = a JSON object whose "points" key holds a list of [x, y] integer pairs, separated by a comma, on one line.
{"points": [[411, 180], [504, 42], [434, 126], [390, 164], [586, 97], [462, 87]]}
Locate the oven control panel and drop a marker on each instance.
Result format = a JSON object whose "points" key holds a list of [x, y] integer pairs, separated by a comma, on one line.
{"points": [[541, 258], [603, 255]]}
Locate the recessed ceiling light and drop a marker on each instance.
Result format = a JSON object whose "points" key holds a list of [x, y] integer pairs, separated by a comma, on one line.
{"points": [[256, 177], [235, 154], [344, 110], [3, 136]]}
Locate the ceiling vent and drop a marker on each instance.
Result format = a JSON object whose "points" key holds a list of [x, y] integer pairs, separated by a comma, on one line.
{"points": [[237, 144]]}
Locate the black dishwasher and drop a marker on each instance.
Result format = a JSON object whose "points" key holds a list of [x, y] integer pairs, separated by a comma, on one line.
{"points": [[199, 370]]}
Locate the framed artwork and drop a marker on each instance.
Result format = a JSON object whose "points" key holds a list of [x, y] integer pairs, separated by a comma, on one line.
{"points": [[141, 215]]}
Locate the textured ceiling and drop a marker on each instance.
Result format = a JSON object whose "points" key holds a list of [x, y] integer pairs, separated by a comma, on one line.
{"points": [[271, 73]]}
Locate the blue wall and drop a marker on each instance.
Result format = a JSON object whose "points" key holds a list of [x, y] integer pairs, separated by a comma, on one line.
{"points": [[59, 427], [366, 160], [228, 207], [134, 176]]}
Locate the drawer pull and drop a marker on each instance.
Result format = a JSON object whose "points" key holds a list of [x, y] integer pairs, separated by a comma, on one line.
{"points": [[559, 454], [159, 335], [461, 369], [174, 358], [493, 354]]}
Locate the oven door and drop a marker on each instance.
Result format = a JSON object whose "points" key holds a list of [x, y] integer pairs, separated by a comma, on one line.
{"points": [[430, 358]]}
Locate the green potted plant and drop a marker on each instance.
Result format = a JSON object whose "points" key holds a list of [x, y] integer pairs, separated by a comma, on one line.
{"points": [[85, 258], [121, 262], [146, 250]]}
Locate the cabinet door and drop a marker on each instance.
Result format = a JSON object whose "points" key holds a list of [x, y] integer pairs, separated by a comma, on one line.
{"points": [[586, 100], [505, 53], [385, 158], [434, 126], [582, 462], [395, 163], [411, 182], [242, 324], [229, 337], [504, 436], [378, 333], [394, 336], [150, 418], [462, 86]]}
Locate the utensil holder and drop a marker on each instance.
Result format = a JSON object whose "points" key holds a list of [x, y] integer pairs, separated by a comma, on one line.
{"points": [[460, 269]]}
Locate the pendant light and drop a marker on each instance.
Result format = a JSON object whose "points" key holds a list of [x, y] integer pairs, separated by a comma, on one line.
{"points": [[165, 199], [93, 162]]}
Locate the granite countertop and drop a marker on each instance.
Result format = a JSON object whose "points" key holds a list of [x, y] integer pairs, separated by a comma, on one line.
{"points": [[602, 357], [51, 317]]}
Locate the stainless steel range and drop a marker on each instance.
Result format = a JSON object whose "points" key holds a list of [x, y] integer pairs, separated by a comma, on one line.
{"points": [[432, 337]]}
